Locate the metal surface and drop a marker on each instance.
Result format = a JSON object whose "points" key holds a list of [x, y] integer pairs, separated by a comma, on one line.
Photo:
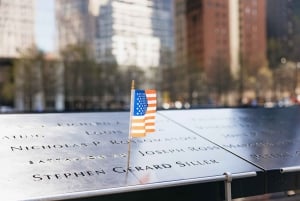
{"points": [[268, 138], [68, 156], [51, 155], [290, 169]]}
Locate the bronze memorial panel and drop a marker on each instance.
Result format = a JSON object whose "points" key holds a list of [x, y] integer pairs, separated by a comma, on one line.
{"points": [[77, 155], [268, 138]]}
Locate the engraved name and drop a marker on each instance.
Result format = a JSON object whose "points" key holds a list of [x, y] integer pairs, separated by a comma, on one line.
{"points": [[22, 137], [75, 159], [121, 170], [142, 168], [98, 123], [177, 150], [271, 155], [240, 125], [162, 151], [145, 140], [250, 134], [197, 163], [259, 144], [156, 167], [104, 132], [275, 155], [53, 146], [67, 175]]}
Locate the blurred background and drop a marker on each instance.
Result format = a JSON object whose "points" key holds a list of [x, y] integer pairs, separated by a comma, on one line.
{"points": [[81, 55]]}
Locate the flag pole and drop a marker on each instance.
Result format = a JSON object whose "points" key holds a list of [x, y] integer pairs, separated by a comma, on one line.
{"points": [[130, 124]]}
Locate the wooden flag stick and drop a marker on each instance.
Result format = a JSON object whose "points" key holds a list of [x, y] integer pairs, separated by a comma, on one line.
{"points": [[130, 124]]}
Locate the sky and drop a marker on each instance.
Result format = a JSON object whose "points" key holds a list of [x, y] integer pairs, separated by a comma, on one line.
{"points": [[45, 25]]}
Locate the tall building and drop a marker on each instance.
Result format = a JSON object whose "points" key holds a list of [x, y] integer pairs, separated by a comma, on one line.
{"points": [[202, 33], [180, 31], [16, 27], [219, 40], [234, 37], [205, 36], [128, 32], [283, 30], [135, 33], [16, 36], [252, 35], [76, 22]]}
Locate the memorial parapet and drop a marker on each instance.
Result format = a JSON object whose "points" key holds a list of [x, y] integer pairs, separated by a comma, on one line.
{"points": [[84, 155], [267, 138]]}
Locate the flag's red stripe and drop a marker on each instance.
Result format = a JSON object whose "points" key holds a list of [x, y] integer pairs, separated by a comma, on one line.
{"points": [[138, 120], [138, 134], [151, 98], [150, 91], [137, 127]]}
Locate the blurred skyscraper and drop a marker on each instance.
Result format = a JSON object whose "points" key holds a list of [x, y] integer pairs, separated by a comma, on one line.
{"points": [[128, 32], [180, 29], [16, 27], [76, 22], [202, 33], [219, 41], [135, 33], [16, 35], [253, 36], [217, 32], [283, 25]]}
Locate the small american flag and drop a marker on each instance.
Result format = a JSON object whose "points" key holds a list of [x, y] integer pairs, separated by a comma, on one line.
{"points": [[143, 112]]}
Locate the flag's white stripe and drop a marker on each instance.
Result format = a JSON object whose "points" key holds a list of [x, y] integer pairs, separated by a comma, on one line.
{"points": [[150, 121], [138, 131], [152, 95], [151, 101], [138, 117], [150, 116], [151, 108], [138, 124]]}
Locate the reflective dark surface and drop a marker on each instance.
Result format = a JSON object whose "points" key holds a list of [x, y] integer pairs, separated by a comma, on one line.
{"points": [[268, 138], [85, 154], [58, 154]]}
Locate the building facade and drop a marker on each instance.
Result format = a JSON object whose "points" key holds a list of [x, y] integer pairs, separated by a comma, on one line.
{"points": [[220, 39], [135, 33], [180, 31], [126, 36], [202, 33], [283, 31], [16, 27], [128, 39], [209, 37], [253, 35], [129, 32], [202, 44], [76, 22], [16, 36]]}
